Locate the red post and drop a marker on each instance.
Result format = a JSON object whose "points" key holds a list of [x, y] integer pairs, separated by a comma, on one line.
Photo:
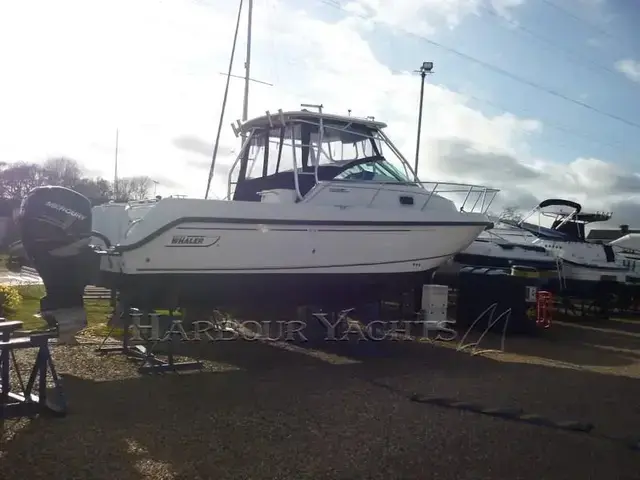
{"points": [[544, 302]]}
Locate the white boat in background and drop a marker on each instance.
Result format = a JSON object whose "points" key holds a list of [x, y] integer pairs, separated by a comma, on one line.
{"points": [[493, 250], [629, 243], [584, 264], [627, 251]]}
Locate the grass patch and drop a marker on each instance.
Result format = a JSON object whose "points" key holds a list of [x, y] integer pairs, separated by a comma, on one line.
{"points": [[97, 310]]}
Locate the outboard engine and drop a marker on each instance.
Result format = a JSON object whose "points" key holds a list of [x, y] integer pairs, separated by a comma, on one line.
{"points": [[55, 226]]}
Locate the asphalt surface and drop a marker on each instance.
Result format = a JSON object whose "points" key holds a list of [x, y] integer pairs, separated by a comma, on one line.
{"points": [[341, 411]]}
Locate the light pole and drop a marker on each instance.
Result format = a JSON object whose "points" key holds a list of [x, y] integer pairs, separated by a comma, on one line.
{"points": [[155, 187], [426, 68]]}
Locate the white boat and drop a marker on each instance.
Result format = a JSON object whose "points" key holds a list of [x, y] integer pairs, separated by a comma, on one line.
{"points": [[627, 251], [583, 264], [114, 219], [629, 243], [493, 250], [315, 214]]}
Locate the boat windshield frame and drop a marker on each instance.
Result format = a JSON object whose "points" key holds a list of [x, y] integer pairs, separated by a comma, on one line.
{"points": [[576, 217], [308, 138]]}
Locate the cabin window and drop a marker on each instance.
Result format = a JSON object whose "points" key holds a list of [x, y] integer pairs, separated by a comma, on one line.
{"points": [[305, 142], [377, 171], [274, 150], [269, 155]]}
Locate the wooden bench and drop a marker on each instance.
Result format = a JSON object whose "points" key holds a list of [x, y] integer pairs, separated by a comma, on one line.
{"points": [[27, 403]]}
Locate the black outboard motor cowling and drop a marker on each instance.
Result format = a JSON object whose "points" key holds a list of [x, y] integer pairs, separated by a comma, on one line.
{"points": [[55, 226]]}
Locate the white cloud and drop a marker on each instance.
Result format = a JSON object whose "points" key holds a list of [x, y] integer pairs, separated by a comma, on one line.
{"points": [[504, 7], [82, 68], [424, 17], [630, 68]]}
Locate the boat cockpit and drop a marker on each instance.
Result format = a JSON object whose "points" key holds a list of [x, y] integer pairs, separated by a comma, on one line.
{"points": [[343, 161], [566, 226], [297, 150]]}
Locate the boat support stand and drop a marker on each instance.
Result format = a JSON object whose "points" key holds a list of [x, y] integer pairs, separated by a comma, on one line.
{"points": [[28, 403], [130, 319]]}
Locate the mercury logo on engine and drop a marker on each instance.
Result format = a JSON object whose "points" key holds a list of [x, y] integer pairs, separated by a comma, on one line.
{"points": [[192, 241], [67, 210]]}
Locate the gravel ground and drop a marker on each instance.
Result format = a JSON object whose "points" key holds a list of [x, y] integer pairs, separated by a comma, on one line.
{"points": [[297, 412]]}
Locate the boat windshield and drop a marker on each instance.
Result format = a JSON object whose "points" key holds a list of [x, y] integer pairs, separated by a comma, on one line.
{"points": [[378, 170], [340, 149]]}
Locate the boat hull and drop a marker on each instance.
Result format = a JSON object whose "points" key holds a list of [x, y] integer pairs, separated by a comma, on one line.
{"points": [[488, 261], [588, 273], [330, 291], [225, 264]]}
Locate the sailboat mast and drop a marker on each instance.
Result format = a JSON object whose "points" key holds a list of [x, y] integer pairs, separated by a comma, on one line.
{"points": [[247, 64], [224, 102], [115, 170]]}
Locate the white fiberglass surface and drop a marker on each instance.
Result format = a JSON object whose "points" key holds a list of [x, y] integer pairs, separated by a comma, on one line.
{"points": [[136, 212]]}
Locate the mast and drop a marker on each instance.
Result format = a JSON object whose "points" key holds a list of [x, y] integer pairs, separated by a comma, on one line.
{"points": [[247, 79], [224, 100], [247, 66], [115, 171]]}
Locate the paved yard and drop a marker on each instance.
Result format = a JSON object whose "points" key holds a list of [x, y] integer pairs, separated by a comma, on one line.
{"points": [[342, 412]]}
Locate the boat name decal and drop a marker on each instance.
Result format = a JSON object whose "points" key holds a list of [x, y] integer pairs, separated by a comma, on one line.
{"points": [[193, 241]]}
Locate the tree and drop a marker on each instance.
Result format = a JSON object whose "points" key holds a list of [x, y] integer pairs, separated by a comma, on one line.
{"points": [[6, 207], [97, 190], [104, 187], [64, 172], [133, 188], [18, 179], [89, 189]]}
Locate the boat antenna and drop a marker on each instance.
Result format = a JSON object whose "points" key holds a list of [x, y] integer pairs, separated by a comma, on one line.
{"points": [[115, 170], [226, 94]]}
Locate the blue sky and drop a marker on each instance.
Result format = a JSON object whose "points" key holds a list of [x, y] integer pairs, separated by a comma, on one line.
{"points": [[545, 46], [152, 69]]}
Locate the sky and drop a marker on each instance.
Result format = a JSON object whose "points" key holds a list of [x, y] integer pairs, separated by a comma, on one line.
{"points": [[539, 98]]}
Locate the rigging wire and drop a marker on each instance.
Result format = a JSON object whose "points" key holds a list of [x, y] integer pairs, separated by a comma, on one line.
{"points": [[495, 69], [224, 101], [502, 109], [578, 19], [570, 54]]}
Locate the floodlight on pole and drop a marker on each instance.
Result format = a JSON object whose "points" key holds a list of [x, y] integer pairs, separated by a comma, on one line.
{"points": [[426, 68]]}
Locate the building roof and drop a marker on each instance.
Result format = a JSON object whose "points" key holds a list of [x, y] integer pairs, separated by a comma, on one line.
{"points": [[608, 235]]}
